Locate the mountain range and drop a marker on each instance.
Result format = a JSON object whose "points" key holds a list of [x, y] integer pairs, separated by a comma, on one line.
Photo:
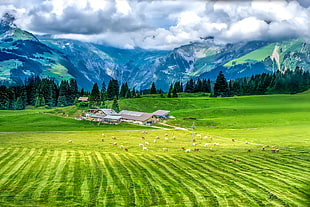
{"points": [[23, 54]]}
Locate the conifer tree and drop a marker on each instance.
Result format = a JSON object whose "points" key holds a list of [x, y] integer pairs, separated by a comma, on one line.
{"points": [[115, 106], [153, 89], [221, 86]]}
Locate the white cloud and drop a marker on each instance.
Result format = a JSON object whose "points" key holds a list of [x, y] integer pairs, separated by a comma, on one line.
{"points": [[160, 24]]}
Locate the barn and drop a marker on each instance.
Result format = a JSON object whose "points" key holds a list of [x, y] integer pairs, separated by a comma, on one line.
{"points": [[137, 117]]}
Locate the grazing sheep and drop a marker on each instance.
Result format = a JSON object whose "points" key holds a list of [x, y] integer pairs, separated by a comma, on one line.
{"points": [[142, 137], [122, 146], [205, 137], [193, 144], [246, 142], [182, 148], [196, 149], [249, 150], [157, 137], [113, 137], [263, 148], [141, 145], [70, 141], [206, 144], [146, 143], [165, 149], [193, 140], [233, 140], [216, 144], [102, 139], [187, 150], [115, 143], [211, 149], [166, 135], [166, 138], [145, 148], [155, 140], [199, 135], [144, 132], [102, 134], [125, 149], [275, 150], [173, 137]]}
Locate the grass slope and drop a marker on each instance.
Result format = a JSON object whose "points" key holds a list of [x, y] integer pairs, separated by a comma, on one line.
{"points": [[43, 169]]}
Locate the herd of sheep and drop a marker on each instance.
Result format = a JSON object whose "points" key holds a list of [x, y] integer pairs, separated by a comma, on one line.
{"points": [[145, 144]]}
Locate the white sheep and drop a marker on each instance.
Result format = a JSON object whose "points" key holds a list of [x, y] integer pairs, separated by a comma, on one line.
{"points": [[70, 141], [193, 144], [166, 138], [165, 149], [216, 144], [141, 145], [155, 140], [146, 143], [198, 135], [205, 137], [102, 134], [113, 137], [122, 146], [115, 143], [173, 137], [206, 144], [187, 150], [157, 137], [166, 135], [145, 148]]}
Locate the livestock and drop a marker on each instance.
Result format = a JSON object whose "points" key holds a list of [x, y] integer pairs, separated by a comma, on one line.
{"points": [[165, 149], [216, 144], [199, 135], [206, 144], [233, 140], [193, 144], [246, 142], [145, 148], [142, 137], [196, 149], [249, 150], [122, 146], [146, 143], [263, 148], [102, 134], [102, 139], [115, 143], [205, 137], [144, 132], [166, 135], [166, 138], [70, 141], [211, 149], [193, 140], [113, 137], [155, 140], [141, 145], [187, 150], [173, 137], [182, 148], [275, 150], [157, 137], [125, 149]]}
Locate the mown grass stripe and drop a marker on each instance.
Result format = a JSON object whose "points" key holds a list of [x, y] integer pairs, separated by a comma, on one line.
{"points": [[141, 173], [189, 195], [13, 159], [174, 195], [195, 186], [224, 175], [97, 181], [120, 192], [30, 176], [17, 164], [148, 175], [214, 180], [126, 179]]}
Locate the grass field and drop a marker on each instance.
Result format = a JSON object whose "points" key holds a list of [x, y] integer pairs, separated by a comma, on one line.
{"points": [[43, 169]]}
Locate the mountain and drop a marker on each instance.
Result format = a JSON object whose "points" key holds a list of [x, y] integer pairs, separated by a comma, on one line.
{"points": [[22, 55]]}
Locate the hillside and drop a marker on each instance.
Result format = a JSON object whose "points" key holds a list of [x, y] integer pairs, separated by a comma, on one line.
{"points": [[23, 55]]}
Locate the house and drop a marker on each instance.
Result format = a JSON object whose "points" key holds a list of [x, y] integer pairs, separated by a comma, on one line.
{"points": [[137, 117], [112, 119], [101, 112], [83, 99], [161, 114]]}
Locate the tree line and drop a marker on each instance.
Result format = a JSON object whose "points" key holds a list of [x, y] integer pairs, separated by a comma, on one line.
{"points": [[46, 92]]}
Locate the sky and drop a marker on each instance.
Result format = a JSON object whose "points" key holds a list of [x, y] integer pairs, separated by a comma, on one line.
{"points": [[162, 24]]}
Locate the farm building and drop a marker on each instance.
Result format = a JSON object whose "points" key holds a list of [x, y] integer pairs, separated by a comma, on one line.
{"points": [[103, 112], [112, 119], [137, 117], [83, 99], [161, 114]]}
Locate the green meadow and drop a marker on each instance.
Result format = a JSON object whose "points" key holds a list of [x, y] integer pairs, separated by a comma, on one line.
{"points": [[39, 167]]}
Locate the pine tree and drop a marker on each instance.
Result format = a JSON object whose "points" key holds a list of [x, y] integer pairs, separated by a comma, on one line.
{"points": [[153, 89], [115, 106], [95, 94], [221, 86], [4, 99]]}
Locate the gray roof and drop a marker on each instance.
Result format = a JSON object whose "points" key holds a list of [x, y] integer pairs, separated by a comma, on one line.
{"points": [[108, 111], [142, 117], [161, 113], [112, 117], [130, 113]]}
